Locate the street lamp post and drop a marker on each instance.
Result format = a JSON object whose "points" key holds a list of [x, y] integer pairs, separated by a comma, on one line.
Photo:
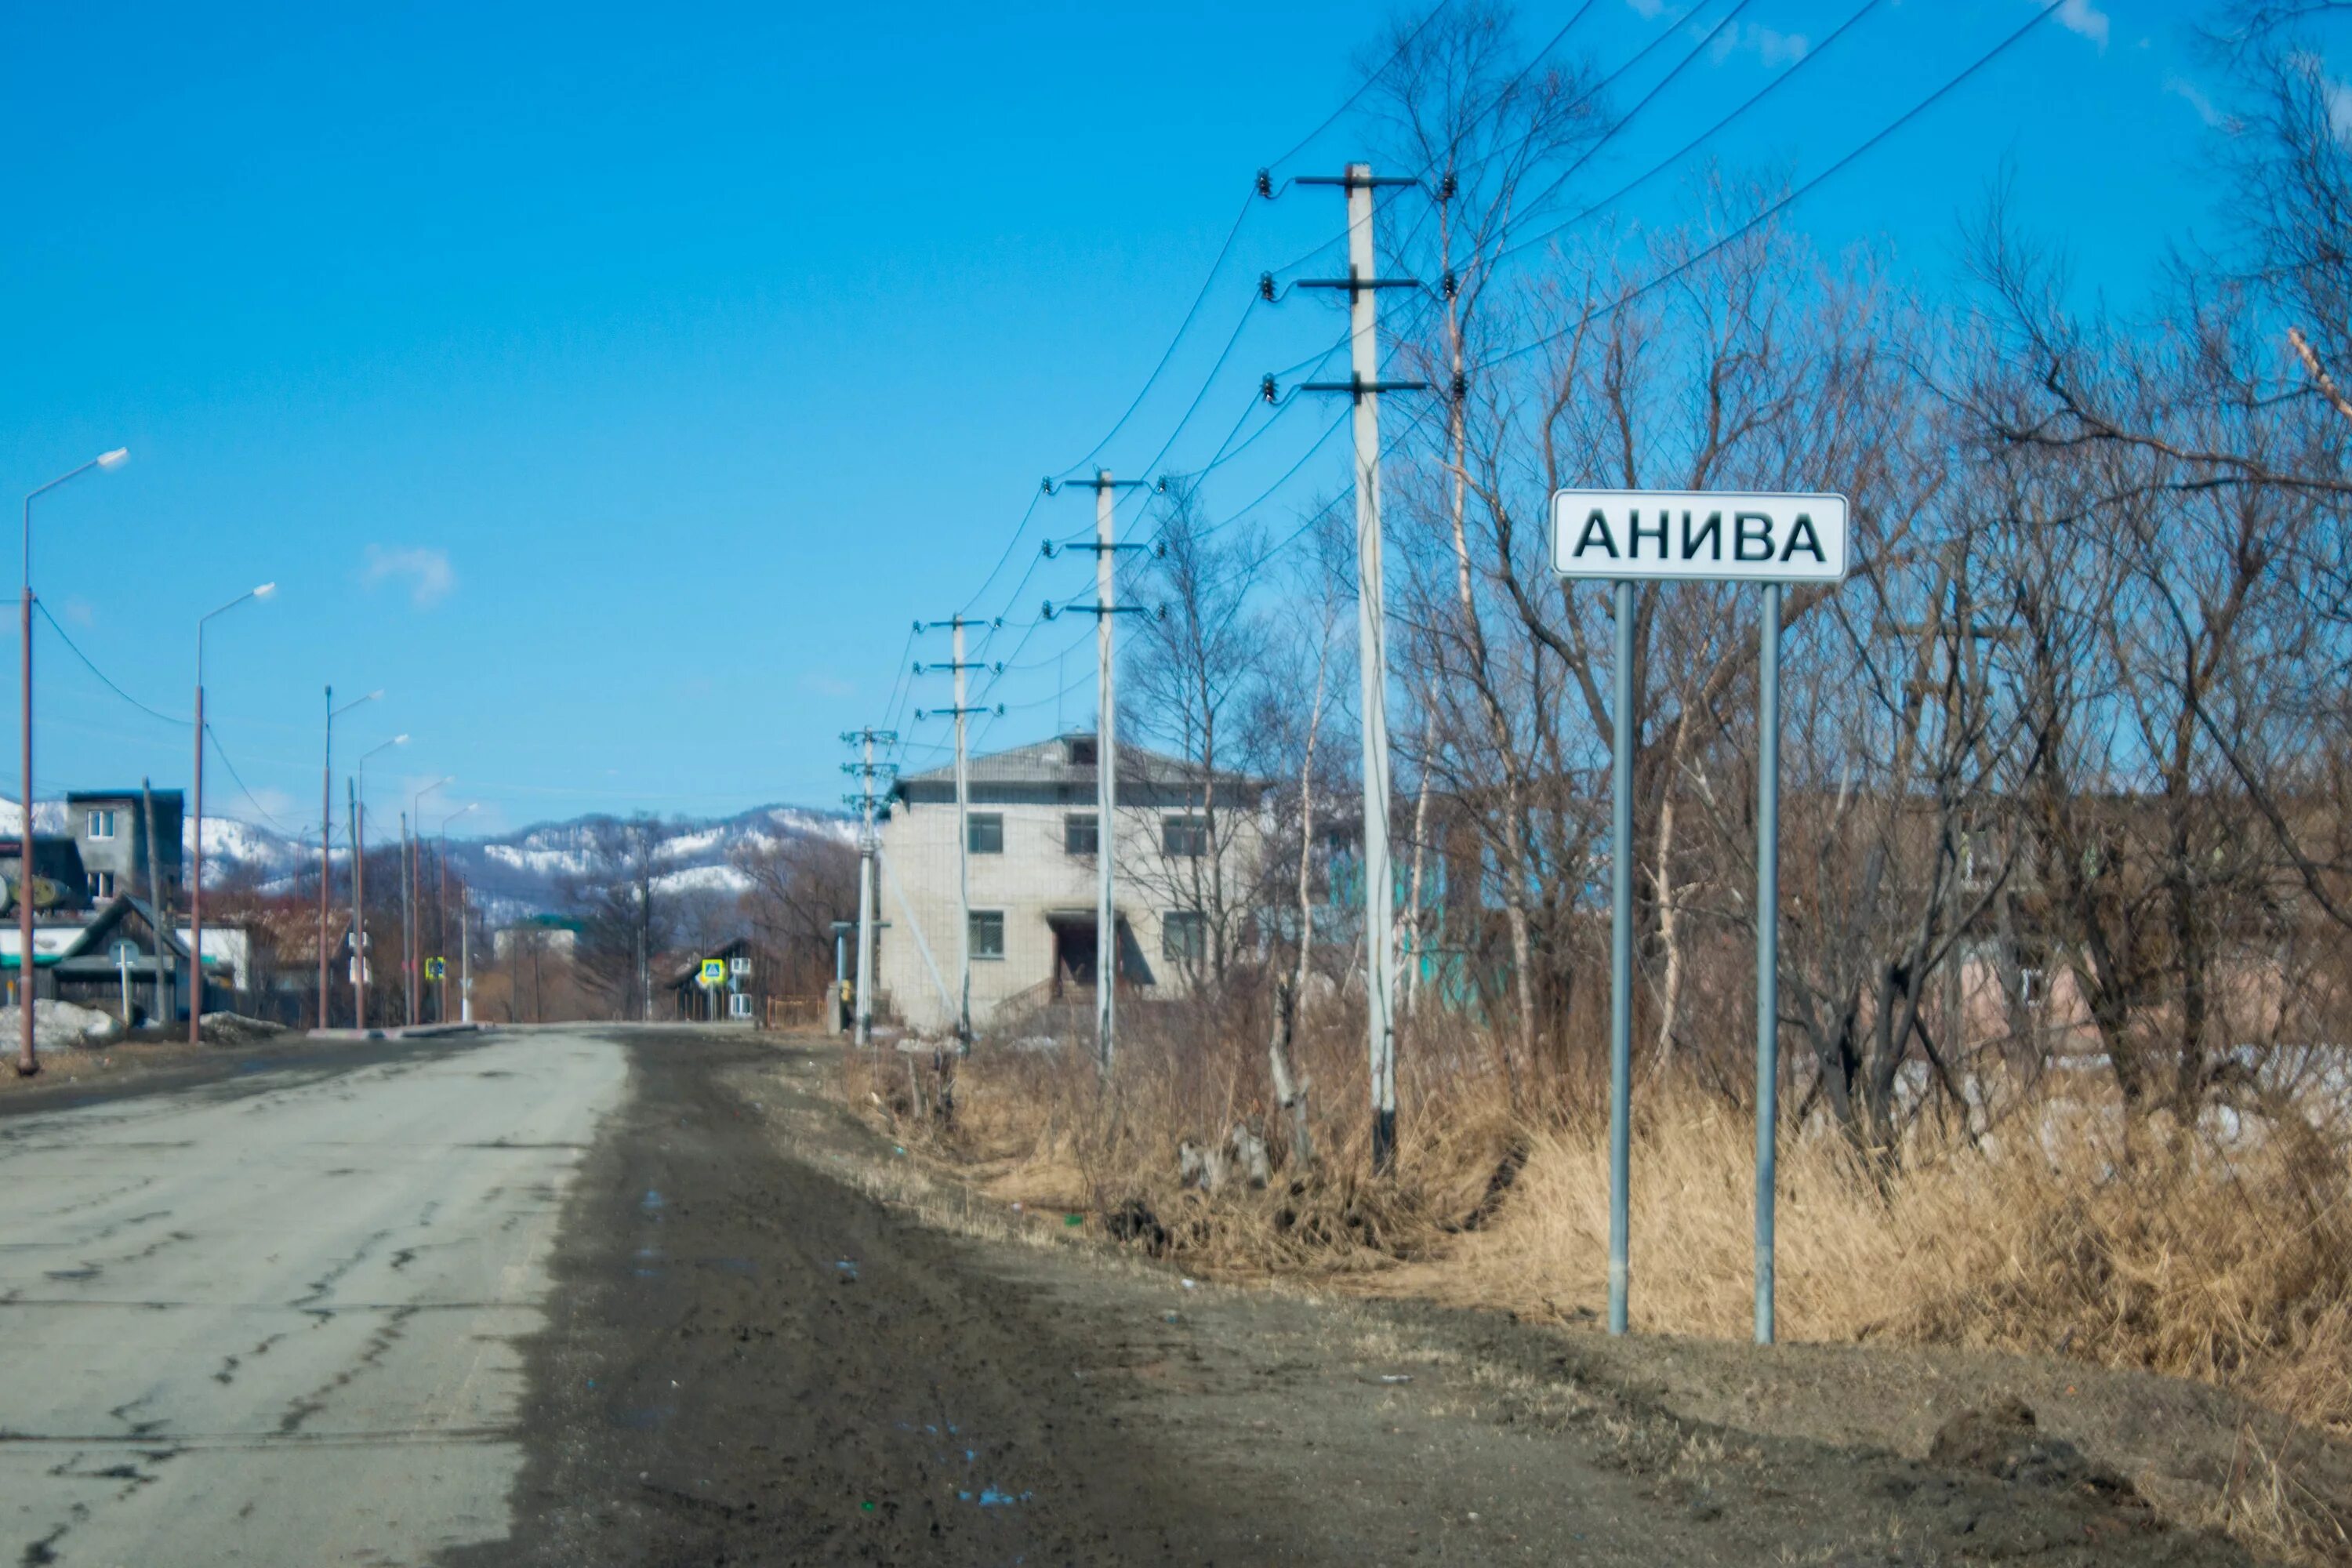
{"points": [[197, 874], [412, 930], [441, 907], [28, 1061], [359, 883], [326, 837]]}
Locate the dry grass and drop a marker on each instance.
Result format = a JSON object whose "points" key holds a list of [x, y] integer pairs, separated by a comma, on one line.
{"points": [[2228, 1262]]}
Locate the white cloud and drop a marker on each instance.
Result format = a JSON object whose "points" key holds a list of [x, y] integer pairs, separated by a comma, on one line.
{"points": [[817, 683], [1768, 45], [1648, 10], [425, 571], [2083, 16], [2188, 92], [80, 612]]}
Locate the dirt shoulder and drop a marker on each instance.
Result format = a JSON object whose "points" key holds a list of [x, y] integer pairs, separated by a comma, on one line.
{"points": [[778, 1340]]}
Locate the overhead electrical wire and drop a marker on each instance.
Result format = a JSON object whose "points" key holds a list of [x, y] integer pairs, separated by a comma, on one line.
{"points": [[1779, 80], [105, 679], [253, 800], [1791, 199]]}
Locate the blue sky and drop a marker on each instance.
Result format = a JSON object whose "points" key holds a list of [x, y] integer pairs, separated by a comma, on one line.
{"points": [[612, 387]]}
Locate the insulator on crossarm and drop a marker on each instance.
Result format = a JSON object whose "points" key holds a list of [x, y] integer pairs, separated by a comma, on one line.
{"points": [[1046, 612], [1265, 287], [1266, 184], [1265, 389], [1453, 285], [1461, 387], [1447, 187], [1051, 549]]}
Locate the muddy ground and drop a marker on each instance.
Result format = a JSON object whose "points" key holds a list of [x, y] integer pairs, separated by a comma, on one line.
{"points": [[777, 1341]]}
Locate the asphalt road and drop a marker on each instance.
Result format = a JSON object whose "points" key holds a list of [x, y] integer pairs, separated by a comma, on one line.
{"points": [[637, 1299], [277, 1318]]}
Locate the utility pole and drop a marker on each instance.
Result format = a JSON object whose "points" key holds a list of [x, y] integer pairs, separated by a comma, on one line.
{"points": [[326, 837], [359, 905], [956, 624], [865, 768], [465, 953], [408, 989], [1105, 607], [1365, 387]]}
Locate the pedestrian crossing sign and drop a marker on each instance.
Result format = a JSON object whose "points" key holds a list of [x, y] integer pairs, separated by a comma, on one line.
{"points": [[714, 972], [435, 968]]}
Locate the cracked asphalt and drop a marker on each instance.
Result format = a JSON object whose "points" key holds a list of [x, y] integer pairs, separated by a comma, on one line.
{"points": [[275, 1318]]}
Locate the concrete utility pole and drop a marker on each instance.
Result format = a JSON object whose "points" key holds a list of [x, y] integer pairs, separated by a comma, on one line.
{"points": [[327, 835], [359, 905], [865, 768], [28, 1061], [408, 990], [441, 912], [360, 968], [412, 896], [1105, 607], [465, 952], [1364, 385], [196, 847], [956, 624]]}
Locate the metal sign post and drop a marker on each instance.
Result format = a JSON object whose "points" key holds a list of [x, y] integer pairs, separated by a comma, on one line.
{"points": [[1624, 537], [126, 953]]}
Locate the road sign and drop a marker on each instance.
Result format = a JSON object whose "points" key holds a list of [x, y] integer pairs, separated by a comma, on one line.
{"points": [[434, 968], [1772, 540], [1696, 536], [714, 972]]}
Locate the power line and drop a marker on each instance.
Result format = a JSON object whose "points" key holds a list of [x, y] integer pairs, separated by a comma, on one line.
{"points": [[105, 679], [254, 801], [1357, 97], [1784, 203], [1182, 328], [1663, 164], [1606, 82]]}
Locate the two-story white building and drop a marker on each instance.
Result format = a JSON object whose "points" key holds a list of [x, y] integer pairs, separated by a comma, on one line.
{"points": [[1188, 845]]}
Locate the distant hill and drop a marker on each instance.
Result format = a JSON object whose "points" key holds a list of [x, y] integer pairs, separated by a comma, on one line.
{"points": [[514, 874]]}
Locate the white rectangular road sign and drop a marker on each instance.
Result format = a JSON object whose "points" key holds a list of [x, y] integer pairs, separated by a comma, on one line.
{"points": [[1719, 536]]}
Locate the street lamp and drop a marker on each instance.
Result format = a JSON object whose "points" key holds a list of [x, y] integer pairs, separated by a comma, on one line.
{"points": [[359, 883], [196, 878], [28, 1061], [441, 922], [326, 837], [411, 931]]}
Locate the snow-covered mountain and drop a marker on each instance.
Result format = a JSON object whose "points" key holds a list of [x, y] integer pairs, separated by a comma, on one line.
{"points": [[514, 874]]}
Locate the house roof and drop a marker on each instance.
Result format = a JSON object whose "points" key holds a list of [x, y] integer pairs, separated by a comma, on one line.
{"points": [[1048, 762], [97, 937], [74, 796], [686, 973]]}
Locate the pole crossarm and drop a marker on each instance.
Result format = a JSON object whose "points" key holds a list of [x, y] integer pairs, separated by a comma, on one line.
{"points": [[1355, 180], [1353, 284], [1356, 388]]}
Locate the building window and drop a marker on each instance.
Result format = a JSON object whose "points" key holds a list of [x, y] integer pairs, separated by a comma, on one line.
{"points": [[1183, 936], [987, 934], [1081, 833], [984, 833], [739, 1004], [1185, 837], [1082, 750], [102, 884], [102, 825]]}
